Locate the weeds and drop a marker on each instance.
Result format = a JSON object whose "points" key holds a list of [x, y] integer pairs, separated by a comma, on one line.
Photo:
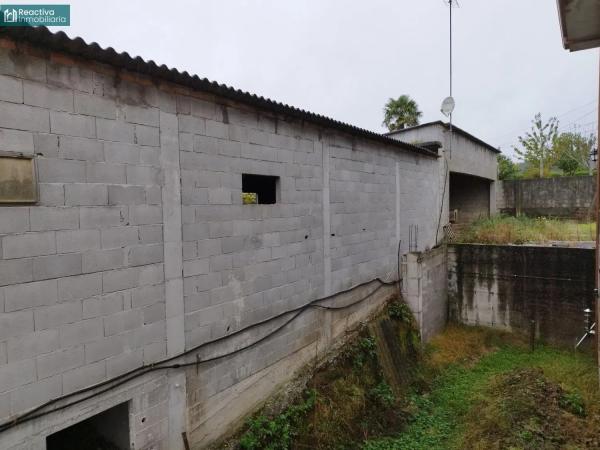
{"points": [[521, 230], [276, 433]]}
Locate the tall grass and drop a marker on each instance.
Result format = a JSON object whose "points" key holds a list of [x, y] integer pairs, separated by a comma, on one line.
{"points": [[521, 230]]}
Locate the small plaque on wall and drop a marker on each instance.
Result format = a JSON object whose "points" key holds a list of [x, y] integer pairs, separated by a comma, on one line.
{"points": [[18, 182]]}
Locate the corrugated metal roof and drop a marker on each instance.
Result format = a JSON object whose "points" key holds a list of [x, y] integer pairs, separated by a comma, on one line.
{"points": [[447, 126], [42, 37]]}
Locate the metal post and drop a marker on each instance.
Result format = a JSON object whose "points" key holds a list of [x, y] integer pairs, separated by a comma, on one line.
{"points": [[597, 277]]}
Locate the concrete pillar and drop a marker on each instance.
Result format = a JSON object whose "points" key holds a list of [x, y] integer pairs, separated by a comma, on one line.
{"points": [[326, 222], [173, 267]]}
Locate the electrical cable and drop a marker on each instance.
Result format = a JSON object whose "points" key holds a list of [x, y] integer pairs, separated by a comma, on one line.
{"points": [[160, 365]]}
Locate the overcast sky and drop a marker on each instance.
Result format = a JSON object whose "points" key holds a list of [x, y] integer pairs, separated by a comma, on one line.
{"points": [[345, 58]]}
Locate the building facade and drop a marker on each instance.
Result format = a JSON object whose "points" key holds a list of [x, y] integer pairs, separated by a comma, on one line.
{"points": [[140, 294]]}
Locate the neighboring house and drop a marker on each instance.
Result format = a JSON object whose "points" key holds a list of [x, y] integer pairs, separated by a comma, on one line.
{"points": [[469, 164], [125, 240]]}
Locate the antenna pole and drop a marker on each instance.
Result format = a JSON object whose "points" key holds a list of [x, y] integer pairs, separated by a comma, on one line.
{"points": [[450, 116]]}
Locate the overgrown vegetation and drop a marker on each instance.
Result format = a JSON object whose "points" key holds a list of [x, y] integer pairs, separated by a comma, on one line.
{"points": [[471, 388], [521, 230], [487, 391]]}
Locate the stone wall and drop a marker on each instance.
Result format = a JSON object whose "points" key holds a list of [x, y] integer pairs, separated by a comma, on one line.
{"points": [[507, 287], [568, 197], [140, 246]]}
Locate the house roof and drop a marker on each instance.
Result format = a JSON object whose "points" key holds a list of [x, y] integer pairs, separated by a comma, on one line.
{"points": [[42, 37], [579, 23], [455, 129]]}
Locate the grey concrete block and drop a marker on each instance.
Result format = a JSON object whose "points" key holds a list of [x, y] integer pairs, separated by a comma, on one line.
{"points": [[195, 231], [154, 313], [103, 305], [53, 218], [105, 173], [151, 234], [143, 175], [16, 271], [35, 394], [16, 324], [83, 376], [24, 117], [27, 295], [117, 280], [145, 214], [82, 149], [115, 130], [72, 124], [103, 348], [120, 152], [125, 362], [219, 196], [77, 240], [85, 194], [122, 321], [11, 89], [101, 217], [16, 374], [93, 105], [62, 360], [46, 145], [149, 156], [195, 267], [51, 170], [155, 352], [115, 237], [145, 135], [216, 129], [14, 219], [208, 247], [98, 260], [191, 124], [50, 97], [17, 141], [145, 254], [82, 332], [32, 344], [45, 267], [142, 116], [147, 295], [51, 194], [28, 244], [49, 317], [79, 287]]}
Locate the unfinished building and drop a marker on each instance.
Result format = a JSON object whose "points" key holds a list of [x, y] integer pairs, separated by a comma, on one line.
{"points": [[469, 166], [165, 241]]}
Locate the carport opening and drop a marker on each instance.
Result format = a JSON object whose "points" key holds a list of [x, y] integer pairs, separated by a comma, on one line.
{"points": [[108, 430], [469, 198]]}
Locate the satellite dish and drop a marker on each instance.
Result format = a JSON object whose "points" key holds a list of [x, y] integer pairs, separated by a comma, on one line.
{"points": [[447, 106]]}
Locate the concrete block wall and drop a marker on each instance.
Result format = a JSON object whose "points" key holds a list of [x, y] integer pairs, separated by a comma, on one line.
{"points": [[567, 197], [508, 286], [425, 289], [140, 246]]}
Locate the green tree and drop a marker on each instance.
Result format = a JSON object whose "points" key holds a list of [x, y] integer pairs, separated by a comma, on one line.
{"points": [[507, 169], [572, 153], [537, 144], [401, 113]]}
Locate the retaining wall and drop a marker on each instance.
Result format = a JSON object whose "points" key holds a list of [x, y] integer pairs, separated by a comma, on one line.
{"points": [[568, 197], [507, 287]]}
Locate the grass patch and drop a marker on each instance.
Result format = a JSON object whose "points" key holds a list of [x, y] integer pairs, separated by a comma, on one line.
{"points": [[486, 392], [521, 230]]}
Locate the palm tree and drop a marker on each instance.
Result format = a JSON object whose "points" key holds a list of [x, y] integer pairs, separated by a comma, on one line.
{"points": [[400, 113]]}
